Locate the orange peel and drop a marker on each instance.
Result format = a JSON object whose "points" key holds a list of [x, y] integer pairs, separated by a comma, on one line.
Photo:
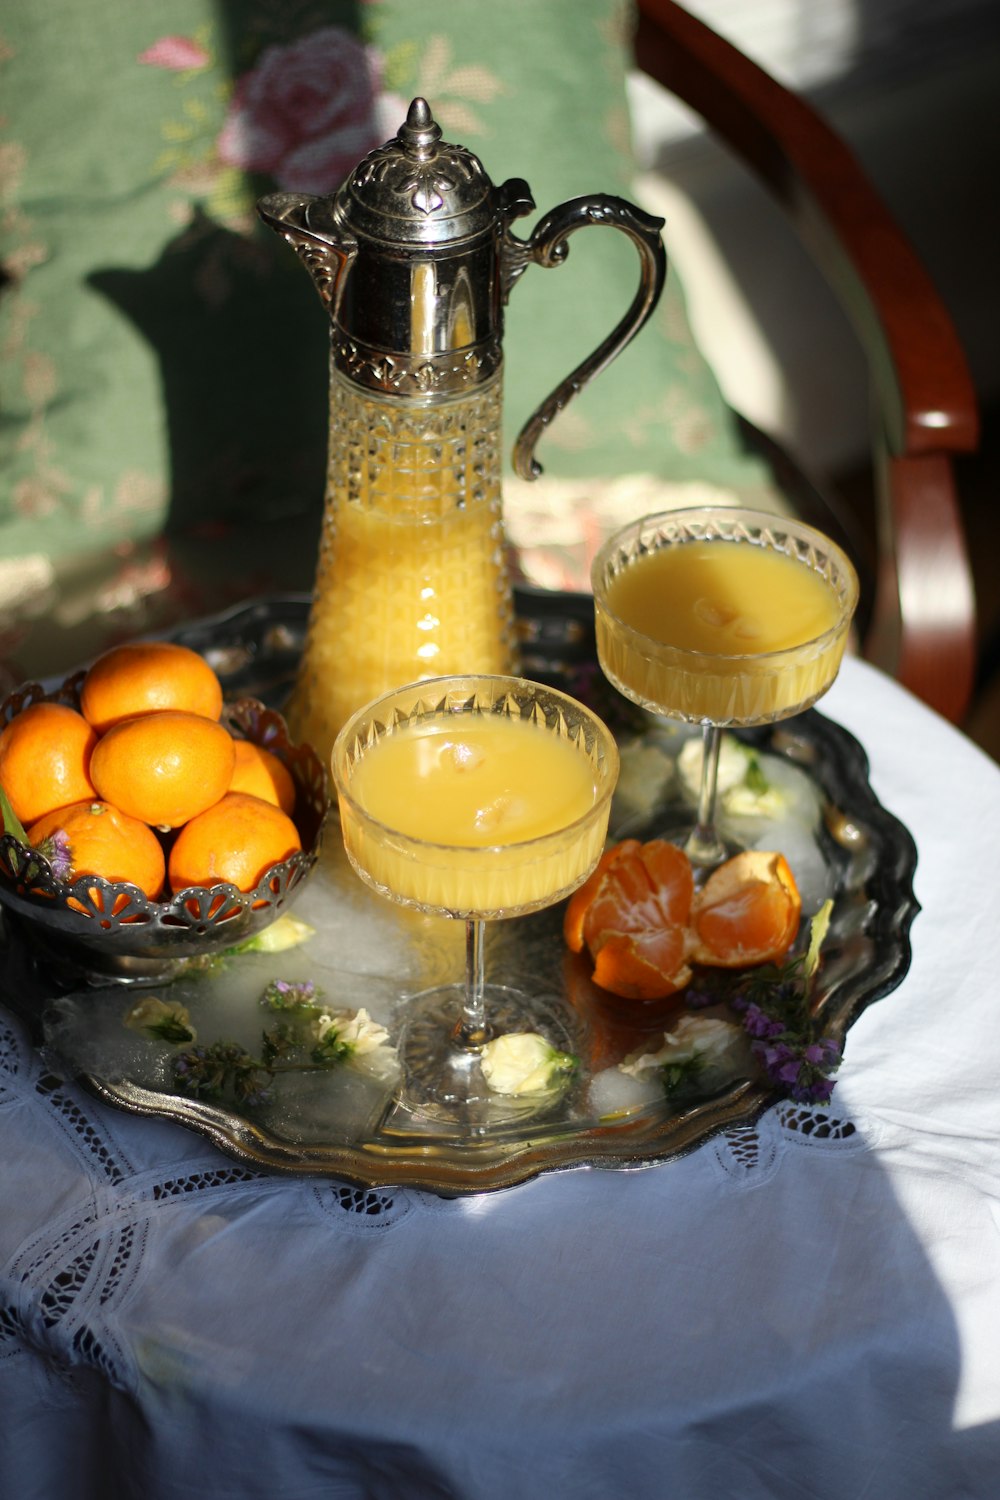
{"points": [[747, 912]]}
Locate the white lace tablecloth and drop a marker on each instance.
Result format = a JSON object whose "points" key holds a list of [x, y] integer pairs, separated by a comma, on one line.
{"points": [[807, 1308]]}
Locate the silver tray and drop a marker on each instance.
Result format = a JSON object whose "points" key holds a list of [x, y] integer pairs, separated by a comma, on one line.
{"points": [[366, 952]]}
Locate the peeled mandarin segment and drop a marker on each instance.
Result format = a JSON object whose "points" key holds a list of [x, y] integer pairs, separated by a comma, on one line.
{"points": [[101, 840], [642, 966], [670, 872], [649, 887], [237, 841], [148, 677], [633, 918], [164, 768], [260, 773], [45, 755], [748, 912], [580, 901]]}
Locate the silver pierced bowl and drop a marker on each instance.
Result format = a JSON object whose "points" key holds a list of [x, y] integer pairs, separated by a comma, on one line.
{"points": [[98, 928]]}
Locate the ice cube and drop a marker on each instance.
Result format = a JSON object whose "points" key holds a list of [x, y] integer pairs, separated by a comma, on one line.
{"points": [[614, 1093], [457, 755], [805, 859], [501, 810], [712, 612]]}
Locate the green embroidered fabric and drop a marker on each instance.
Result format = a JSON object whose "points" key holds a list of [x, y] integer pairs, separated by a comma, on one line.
{"points": [[163, 426]]}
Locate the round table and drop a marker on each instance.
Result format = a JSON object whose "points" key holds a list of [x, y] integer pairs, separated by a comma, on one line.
{"points": [[805, 1307]]}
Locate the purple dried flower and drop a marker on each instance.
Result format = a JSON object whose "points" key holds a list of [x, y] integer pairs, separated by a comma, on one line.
{"points": [[800, 1067], [56, 849], [774, 1005], [283, 994], [782, 1063], [699, 999], [773, 1055], [819, 1091], [758, 1023], [822, 1054]]}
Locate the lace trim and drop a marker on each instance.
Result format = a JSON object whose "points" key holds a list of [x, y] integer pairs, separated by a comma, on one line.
{"points": [[743, 1153], [61, 1295], [11, 1063], [189, 1183], [87, 1137], [11, 1332], [748, 1155], [357, 1210], [815, 1126]]}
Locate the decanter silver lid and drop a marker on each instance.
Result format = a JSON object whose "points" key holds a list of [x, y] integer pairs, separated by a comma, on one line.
{"points": [[414, 259], [418, 189]]}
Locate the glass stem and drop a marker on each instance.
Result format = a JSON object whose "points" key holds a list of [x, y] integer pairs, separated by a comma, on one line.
{"points": [[472, 1030], [704, 847]]}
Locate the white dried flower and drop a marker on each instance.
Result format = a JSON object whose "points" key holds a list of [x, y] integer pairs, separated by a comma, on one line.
{"points": [[733, 760], [286, 932], [522, 1062], [703, 1037], [366, 1041], [165, 1022]]}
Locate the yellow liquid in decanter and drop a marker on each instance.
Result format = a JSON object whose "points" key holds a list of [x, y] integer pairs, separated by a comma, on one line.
{"points": [[412, 578]]}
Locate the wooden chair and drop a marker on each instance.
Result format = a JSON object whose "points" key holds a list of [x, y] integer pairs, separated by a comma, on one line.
{"points": [[922, 616]]}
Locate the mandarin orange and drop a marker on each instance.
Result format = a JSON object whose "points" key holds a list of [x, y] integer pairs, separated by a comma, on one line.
{"points": [[747, 912], [580, 902], [646, 965], [644, 924], [163, 768], [45, 754], [632, 916], [148, 677], [647, 888], [260, 773], [94, 838], [237, 840]]}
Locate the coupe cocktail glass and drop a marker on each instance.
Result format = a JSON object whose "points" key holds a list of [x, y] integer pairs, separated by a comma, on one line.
{"points": [[476, 798], [723, 617]]}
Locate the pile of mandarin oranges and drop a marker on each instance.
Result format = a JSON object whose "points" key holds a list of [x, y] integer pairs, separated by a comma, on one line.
{"points": [[144, 784]]}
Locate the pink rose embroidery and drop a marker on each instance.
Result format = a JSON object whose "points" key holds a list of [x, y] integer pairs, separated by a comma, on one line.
{"points": [[176, 53], [304, 114]]}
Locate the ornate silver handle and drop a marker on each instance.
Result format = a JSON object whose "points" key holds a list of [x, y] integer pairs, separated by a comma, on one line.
{"points": [[548, 246]]}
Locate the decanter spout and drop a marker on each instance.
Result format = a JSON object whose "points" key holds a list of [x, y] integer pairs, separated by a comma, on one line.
{"points": [[313, 228]]}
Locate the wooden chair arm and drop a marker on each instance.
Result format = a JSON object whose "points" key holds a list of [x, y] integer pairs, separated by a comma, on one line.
{"points": [[924, 614]]}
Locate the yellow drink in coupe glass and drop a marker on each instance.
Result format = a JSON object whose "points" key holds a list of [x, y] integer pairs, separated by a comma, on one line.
{"points": [[491, 782], [728, 608], [721, 616], [476, 798]]}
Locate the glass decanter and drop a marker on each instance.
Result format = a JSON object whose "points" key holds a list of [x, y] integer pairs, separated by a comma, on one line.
{"points": [[414, 260]]}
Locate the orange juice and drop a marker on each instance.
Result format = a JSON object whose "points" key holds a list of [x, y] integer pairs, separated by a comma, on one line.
{"points": [[481, 794], [740, 633], [412, 579]]}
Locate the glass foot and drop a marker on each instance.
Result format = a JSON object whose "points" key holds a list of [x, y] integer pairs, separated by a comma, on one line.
{"points": [[442, 1079]]}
